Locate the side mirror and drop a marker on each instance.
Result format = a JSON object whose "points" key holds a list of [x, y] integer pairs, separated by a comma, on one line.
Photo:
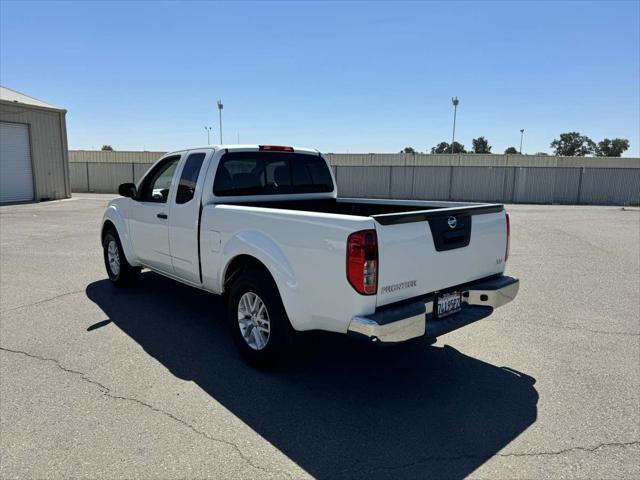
{"points": [[127, 190]]}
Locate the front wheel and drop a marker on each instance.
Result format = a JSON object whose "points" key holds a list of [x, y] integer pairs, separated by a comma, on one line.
{"points": [[118, 268], [259, 324]]}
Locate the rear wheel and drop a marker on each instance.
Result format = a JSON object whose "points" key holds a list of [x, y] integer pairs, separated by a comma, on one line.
{"points": [[118, 268], [259, 324]]}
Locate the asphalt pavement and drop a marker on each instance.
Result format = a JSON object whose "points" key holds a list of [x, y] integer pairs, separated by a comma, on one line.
{"points": [[100, 382]]}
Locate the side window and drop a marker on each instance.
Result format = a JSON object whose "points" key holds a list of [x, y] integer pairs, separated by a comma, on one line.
{"points": [[189, 177], [155, 187]]}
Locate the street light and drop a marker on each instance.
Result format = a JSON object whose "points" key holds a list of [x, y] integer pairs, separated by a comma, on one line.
{"points": [[455, 102], [208, 129], [521, 135], [220, 107]]}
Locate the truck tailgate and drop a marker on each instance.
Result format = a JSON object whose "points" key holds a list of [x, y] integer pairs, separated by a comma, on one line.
{"points": [[424, 252]]}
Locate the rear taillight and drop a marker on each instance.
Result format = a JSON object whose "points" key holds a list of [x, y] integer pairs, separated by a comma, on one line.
{"points": [[362, 261], [506, 252]]}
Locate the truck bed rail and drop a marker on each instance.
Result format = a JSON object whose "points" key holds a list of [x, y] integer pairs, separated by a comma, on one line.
{"points": [[423, 215]]}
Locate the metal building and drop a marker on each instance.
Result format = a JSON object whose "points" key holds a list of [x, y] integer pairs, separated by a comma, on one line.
{"points": [[34, 160]]}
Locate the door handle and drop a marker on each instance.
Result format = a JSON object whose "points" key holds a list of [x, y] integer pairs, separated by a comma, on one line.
{"points": [[163, 216]]}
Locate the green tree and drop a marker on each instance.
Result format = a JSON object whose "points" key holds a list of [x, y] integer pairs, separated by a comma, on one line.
{"points": [[481, 145], [511, 151], [442, 147], [612, 148], [457, 148], [107, 147], [572, 144], [408, 150]]}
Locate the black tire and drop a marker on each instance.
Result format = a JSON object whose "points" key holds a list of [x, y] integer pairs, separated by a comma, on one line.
{"points": [[280, 337], [124, 275]]}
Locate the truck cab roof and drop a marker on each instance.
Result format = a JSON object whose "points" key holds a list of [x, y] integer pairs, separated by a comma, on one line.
{"points": [[248, 148]]}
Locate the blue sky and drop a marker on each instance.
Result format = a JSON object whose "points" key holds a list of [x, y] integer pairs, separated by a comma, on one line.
{"points": [[357, 77]]}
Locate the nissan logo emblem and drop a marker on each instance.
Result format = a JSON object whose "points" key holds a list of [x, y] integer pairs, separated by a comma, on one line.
{"points": [[452, 222]]}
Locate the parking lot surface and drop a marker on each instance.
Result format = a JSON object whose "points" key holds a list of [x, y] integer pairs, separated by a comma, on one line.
{"points": [[99, 382]]}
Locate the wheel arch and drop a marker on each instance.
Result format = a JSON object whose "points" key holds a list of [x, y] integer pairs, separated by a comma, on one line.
{"points": [[238, 264], [106, 226], [277, 267], [113, 220]]}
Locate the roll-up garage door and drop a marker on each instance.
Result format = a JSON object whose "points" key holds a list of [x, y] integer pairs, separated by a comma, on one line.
{"points": [[16, 176]]}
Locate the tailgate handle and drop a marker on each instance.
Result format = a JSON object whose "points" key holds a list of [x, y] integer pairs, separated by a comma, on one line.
{"points": [[454, 236]]}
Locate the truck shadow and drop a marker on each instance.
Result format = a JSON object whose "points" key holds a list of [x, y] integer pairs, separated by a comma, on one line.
{"points": [[345, 409]]}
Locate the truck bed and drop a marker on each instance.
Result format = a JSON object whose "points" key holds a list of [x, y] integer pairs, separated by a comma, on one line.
{"points": [[386, 212], [423, 246]]}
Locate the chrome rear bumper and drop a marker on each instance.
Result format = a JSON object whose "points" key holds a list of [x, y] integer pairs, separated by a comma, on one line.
{"points": [[416, 319]]}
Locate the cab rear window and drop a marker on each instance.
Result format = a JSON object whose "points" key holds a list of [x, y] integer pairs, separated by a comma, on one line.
{"points": [[271, 173]]}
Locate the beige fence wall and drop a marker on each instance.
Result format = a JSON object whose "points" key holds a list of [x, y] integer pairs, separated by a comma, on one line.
{"points": [[483, 178], [106, 156], [472, 160]]}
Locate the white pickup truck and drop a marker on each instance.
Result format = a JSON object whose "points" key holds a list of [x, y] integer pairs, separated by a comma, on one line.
{"points": [[263, 226]]}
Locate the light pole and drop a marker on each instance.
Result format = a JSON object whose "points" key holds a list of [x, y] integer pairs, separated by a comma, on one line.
{"points": [[455, 102], [521, 135], [208, 129], [220, 107]]}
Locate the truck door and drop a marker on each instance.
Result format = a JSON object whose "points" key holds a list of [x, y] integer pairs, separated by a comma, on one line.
{"points": [[148, 221], [184, 217]]}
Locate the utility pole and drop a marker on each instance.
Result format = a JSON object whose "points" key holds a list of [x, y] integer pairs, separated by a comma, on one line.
{"points": [[521, 135], [208, 129], [455, 102], [220, 107]]}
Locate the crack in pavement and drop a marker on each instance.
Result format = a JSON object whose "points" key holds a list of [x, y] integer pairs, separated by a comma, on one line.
{"points": [[576, 327], [107, 392], [488, 457], [565, 327], [573, 449], [41, 301]]}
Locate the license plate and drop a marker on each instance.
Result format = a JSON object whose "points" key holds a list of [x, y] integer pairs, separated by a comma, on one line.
{"points": [[449, 303]]}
